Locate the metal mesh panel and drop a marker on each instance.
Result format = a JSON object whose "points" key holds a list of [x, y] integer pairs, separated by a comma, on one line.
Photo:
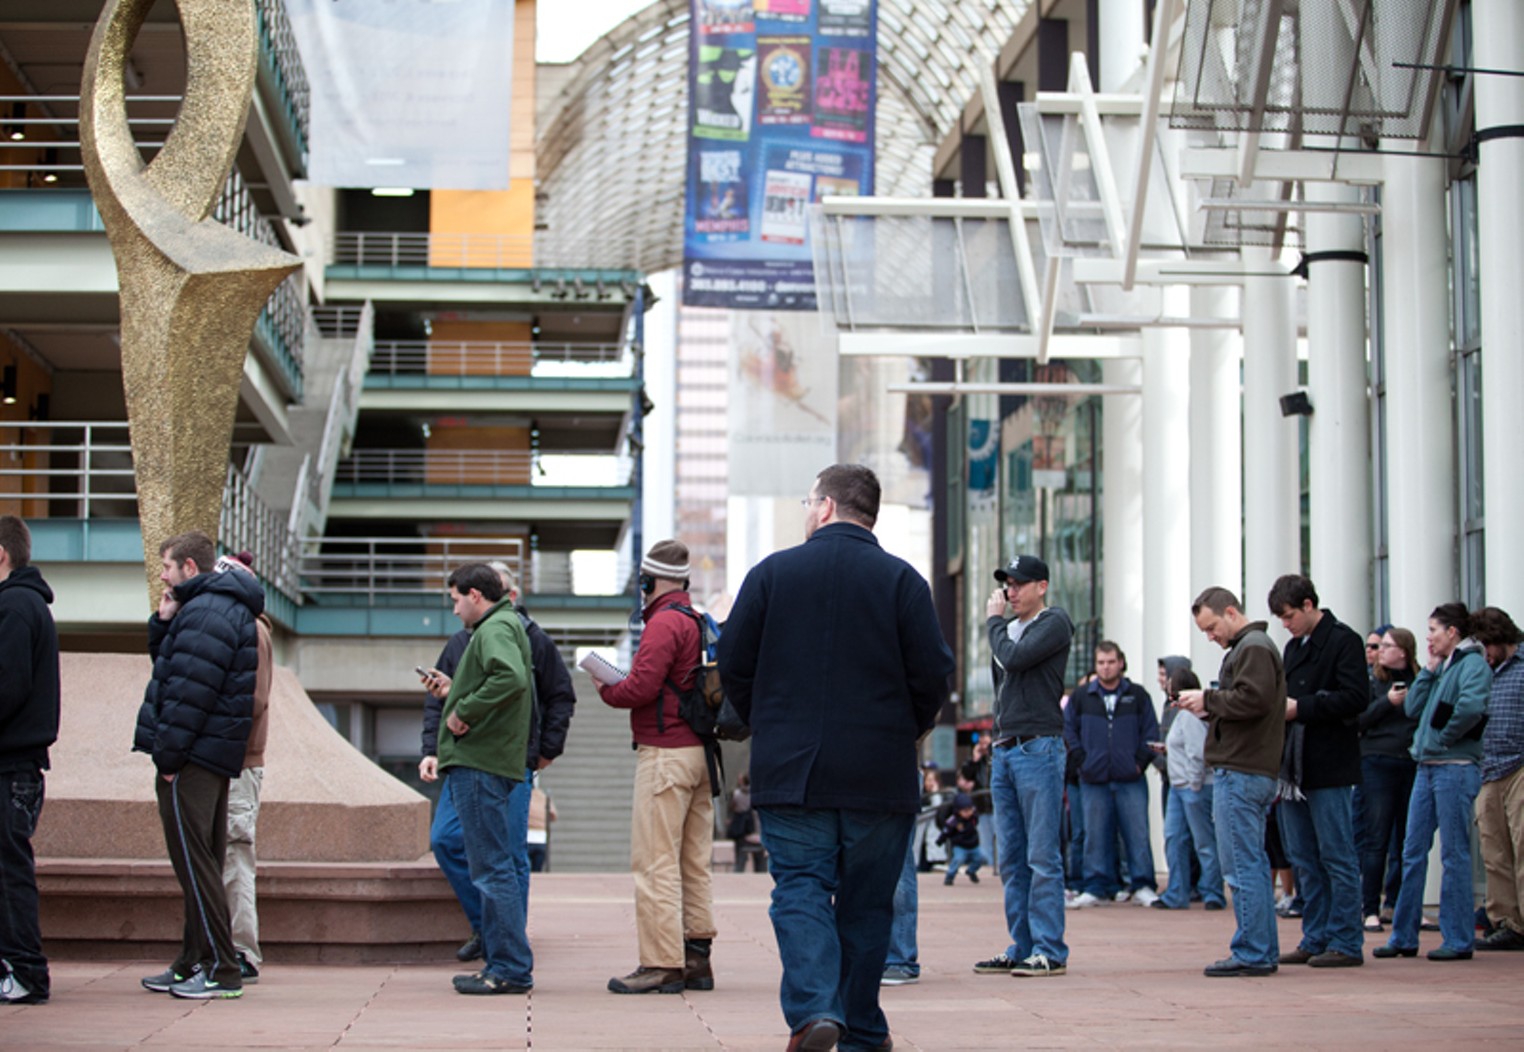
{"points": [[1063, 183], [1233, 228], [1318, 67]]}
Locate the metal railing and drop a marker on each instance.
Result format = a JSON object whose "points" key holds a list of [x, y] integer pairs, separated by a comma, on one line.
{"points": [[309, 511], [473, 358], [248, 524], [501, 251], [284, 319], [483, 467], [80, 471], [382, 569], [277, 48], [338, 322]]}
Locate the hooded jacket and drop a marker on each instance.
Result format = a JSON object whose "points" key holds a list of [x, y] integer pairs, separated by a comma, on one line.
{"points": [[28, 671], [1111, 746], [668, 651], [199, 704], [1451, 707]]}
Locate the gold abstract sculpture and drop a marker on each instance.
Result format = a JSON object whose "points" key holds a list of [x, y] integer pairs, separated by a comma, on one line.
{"points": [[191, 288]]}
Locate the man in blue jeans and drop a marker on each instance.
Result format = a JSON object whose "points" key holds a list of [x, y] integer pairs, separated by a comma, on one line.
{"points": [[484, 733], [1326, 691], [554, 700], [833, 655], [1030, 652], [1246, 729]]}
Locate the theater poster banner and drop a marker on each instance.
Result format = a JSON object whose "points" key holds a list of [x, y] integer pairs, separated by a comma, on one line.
{"points": [[781, 114]]}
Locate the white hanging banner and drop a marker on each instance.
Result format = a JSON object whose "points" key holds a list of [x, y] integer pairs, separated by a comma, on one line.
{"points": [[782, 408], [407, 93]]}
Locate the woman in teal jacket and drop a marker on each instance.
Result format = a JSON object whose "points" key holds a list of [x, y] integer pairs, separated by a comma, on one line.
{"points": [[1449, 700]]}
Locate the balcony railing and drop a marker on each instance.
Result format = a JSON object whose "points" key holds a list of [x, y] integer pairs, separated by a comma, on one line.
{"points": [[482, 467], [278, 51], [464, 359], [283, 322], [398, 570], [499, 251]]}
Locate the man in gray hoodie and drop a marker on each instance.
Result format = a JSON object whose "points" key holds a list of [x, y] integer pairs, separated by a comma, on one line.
{"points": [[1027, 764]]}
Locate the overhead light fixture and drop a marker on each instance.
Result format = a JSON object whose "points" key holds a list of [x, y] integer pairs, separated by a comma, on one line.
{"points": [[17, 132], [392, 191], [50, 161], [8, 385]]}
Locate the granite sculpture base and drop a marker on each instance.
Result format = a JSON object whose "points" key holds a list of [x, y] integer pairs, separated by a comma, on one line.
{"points": [[344, 870]]}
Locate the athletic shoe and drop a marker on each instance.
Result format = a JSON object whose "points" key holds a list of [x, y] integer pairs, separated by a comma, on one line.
{"points": [[1122, 896], [1083, 900], [247, 970], [1000, 964], [973, 878], [899, 975], [1145, 896], [199, 988], [161, 983], [1501, 939], [1233, 968], [1038, 967], [14, 992]]}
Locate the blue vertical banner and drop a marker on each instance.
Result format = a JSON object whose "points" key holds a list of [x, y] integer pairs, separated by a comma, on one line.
{"points": [[780, 114]]}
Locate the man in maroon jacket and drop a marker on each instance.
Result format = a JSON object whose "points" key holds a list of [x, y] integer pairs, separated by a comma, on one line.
{"points": [[672, 813]]}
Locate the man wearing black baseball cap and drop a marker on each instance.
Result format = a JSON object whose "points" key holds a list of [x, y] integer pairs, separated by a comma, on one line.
{"points": [[1031, 651]]}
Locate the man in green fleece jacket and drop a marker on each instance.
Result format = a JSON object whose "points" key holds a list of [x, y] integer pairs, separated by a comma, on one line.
{"points": [[482, 738]]}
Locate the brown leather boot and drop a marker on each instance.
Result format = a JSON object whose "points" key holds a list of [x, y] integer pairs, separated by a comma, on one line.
{"points": [[697, 975], [649, 981]]}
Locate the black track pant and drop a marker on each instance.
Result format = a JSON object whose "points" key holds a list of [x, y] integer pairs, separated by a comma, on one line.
{"points": [[194, 810]]}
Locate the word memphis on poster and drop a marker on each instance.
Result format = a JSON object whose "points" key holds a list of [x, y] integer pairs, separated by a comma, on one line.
{"points": [[781, 114]]}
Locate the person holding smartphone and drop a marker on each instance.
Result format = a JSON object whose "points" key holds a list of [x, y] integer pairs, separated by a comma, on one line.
{"points": [[1386, 773]]}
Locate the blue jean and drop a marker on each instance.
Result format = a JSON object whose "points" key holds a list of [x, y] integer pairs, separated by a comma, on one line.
{"points": [[902, 945], [1385, 787], [1319, 836], [1444, 798], [1188, 829], [1074, 847], [1027, 785], [449, 847], [834, 876], [970, 857], [495, 836], [1239, 802], [1110, 808]]}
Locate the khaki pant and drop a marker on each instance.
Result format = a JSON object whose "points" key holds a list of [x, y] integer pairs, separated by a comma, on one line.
{"points": [[1500, 825], [671, 841], [238, 868]]}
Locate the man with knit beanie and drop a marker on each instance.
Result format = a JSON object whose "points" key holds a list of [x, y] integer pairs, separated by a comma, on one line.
{"points": [[672, 812]]}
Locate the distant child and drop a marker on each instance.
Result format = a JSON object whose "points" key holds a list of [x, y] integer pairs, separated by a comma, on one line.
{"points": [[961, 832]]}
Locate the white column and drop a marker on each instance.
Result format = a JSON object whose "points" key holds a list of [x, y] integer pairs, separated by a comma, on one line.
{"points": [[1420, 430], [1167, 456], [1272, 519], [1216, 469], [1122, 47], [1122, 510], [1498, 30], [1339, 463]]}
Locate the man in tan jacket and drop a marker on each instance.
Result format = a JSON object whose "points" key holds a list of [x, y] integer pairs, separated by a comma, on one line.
{"points": [[243, 801]]}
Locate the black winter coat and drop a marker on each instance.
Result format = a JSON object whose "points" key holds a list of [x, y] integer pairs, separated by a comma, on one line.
{"points": [[28, 672], [1328, 678], [833, 655], [199, 705], [1113, 748]]}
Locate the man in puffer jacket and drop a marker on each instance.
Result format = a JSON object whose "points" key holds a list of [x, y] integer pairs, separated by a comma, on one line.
{"points": [[195, 722]]}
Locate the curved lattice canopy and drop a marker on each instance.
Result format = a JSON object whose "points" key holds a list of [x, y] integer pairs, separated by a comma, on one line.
{"points": [[612, 149]]}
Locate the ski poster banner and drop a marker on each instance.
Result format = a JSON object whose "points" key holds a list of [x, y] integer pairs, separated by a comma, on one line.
{"points": [[780, 114]]}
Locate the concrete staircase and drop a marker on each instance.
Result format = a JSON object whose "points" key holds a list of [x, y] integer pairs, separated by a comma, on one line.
{"points": [[591, 784]]}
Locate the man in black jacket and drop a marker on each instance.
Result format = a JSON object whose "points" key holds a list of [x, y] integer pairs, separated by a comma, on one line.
{"points": [[195, 722], [28, 725], [1326, 691], [833, 656], [548, 722]]}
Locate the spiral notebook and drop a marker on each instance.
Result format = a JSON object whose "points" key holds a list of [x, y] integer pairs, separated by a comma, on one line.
{"points": [[605, 673]]}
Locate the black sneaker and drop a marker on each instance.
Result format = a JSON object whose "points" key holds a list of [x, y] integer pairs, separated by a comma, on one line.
{"points": [[1000, 964], [471, 949], [1501, 939], [1232, 967], [482, 983], [247, 970], [973, 878]]}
